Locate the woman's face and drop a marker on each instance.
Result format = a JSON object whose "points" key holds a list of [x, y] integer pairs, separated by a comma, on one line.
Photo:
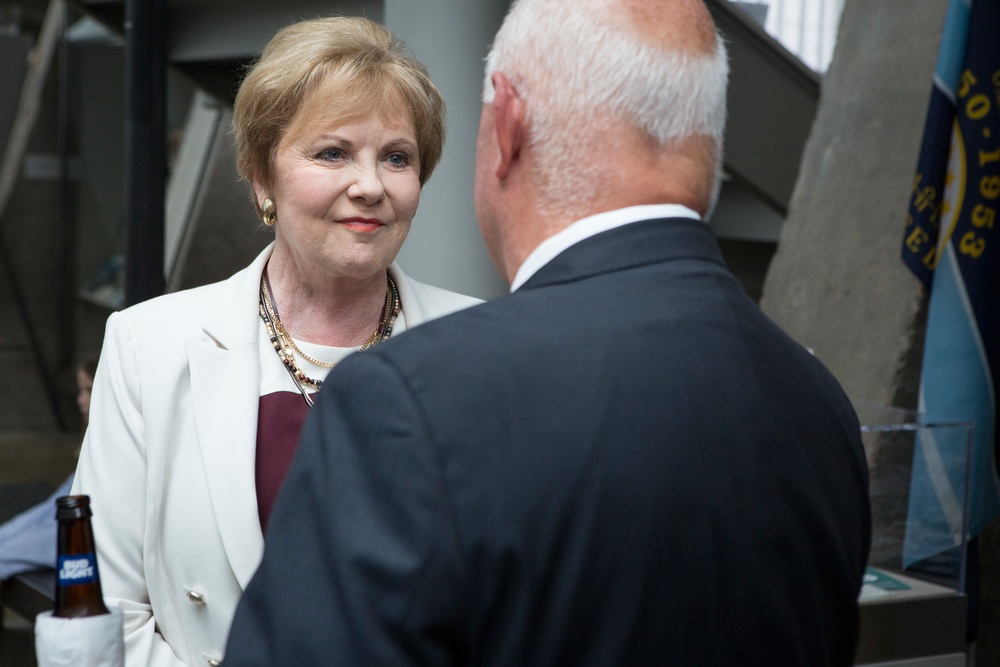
{"points": [[345, 194]]}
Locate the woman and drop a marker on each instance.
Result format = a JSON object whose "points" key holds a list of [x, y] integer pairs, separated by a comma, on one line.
{"points": [[200, 395]]}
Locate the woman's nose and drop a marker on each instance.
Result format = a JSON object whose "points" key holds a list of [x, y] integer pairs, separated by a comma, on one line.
{"points": [[367, 184]]}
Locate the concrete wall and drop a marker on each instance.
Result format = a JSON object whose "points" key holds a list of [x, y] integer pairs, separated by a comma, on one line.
{"points": [[836, 282]]}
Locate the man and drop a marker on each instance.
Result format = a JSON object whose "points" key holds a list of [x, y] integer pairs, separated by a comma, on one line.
{"points": [[621, 463]]}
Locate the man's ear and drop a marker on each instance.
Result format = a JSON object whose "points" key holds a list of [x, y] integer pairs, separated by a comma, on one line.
{"points": [[508, 116]]}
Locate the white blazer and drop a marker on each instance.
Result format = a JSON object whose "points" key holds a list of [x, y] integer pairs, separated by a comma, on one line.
{"points": [[168, 460]]}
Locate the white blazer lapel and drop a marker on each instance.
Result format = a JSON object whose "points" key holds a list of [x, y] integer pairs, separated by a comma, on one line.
{"points": [[225, 388]]}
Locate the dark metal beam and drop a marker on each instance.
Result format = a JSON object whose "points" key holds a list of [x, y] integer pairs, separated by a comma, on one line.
{"points": [[145, 146], [67, 249]]}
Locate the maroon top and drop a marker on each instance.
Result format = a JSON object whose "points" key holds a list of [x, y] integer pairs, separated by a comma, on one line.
{"points": [[279, 421]]}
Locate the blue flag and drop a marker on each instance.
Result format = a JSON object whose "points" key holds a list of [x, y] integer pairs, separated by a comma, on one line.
{"points": [[952, 243]]}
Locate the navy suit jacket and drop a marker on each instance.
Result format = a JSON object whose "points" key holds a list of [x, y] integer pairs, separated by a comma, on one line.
{"points": [[622, 463]]}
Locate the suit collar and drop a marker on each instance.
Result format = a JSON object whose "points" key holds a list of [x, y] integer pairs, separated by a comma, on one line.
{"points": [[633, 245], [591, 226]]}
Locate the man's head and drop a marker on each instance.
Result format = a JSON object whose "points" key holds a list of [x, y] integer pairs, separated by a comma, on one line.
{"points": [[591, 105]]}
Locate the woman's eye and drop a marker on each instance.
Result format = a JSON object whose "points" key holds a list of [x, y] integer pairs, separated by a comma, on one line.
{"points": [[399, 159], [331, 154]]}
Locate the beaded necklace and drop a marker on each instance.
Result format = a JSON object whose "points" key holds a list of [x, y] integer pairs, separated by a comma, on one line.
{"points": [[286, 348]]}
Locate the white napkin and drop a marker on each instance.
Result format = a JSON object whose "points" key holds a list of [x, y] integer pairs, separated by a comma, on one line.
{"points": [[94, 641]]}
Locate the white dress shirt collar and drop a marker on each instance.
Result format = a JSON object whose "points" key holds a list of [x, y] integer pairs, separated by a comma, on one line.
{"points": [[589, 226]]}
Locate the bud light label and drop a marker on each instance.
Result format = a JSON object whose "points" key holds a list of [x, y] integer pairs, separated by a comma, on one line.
{"points": [[77, 569]]}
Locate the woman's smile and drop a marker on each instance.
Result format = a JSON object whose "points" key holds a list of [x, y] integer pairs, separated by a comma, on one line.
{"points": [[361, 224]]}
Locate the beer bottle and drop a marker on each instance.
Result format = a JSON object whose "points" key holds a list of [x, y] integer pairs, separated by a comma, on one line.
{"points": [[78, 584]]}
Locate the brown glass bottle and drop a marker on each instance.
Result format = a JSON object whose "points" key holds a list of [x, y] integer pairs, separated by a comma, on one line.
{"points": [[78, 584]]}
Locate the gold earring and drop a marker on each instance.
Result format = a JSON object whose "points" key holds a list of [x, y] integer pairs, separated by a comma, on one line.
{"points": [[268, 212]]}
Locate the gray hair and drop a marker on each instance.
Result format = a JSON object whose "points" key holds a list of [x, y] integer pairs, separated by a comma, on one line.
{"points": [[575, 70]]}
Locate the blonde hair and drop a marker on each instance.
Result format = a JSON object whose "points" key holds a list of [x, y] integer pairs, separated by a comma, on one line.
{"points": [[355, 64]]}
